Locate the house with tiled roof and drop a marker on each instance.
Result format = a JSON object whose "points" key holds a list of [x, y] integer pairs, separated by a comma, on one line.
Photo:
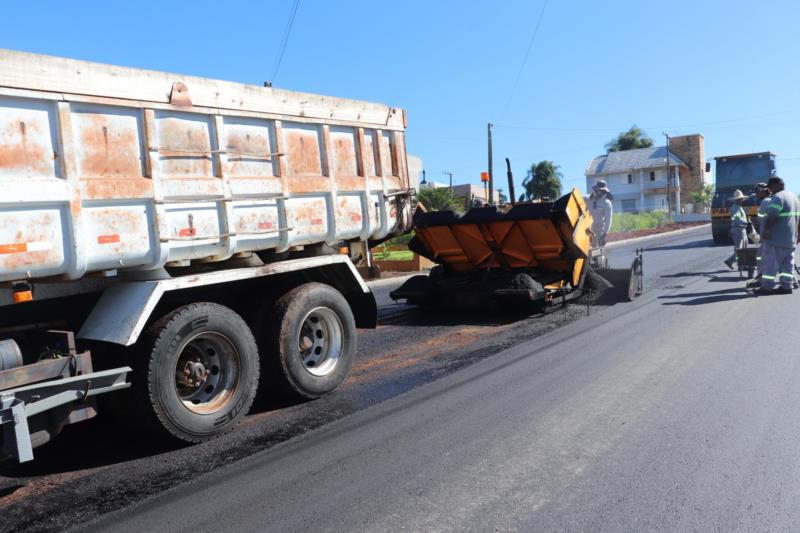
{"points": [[638, 178]]}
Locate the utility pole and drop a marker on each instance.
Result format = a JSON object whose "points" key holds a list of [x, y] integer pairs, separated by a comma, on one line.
{"points": [[451, 179], [669, 179], [491, 175]]}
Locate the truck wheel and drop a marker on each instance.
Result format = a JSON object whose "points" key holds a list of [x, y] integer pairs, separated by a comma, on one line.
{"points": [[199, 372], [311, 340], [721, 234]]}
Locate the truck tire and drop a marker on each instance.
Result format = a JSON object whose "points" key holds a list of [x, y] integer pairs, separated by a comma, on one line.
{"points": [[196, 373], [721, 234], [310, 340]]}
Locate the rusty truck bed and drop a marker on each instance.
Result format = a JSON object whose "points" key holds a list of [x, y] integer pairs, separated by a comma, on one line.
{"points": [[105, 168]]}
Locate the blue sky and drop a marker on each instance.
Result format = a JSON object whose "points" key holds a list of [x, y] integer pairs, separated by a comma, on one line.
{"points": [[726, 69]]}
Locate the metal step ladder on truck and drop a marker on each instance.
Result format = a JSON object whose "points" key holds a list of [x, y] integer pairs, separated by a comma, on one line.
{"points": [[166, 241], [733, 172]]}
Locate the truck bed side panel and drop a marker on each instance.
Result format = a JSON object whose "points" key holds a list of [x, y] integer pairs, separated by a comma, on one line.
{"points": [[111, 178]]}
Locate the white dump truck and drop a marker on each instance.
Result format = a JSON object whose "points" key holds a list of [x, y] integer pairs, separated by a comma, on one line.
{"points": [[180, 237]]}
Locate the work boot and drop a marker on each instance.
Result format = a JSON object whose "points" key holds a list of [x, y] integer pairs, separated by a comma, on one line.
{"points": [[729, 263], [783, 290], [763, 292], [753, 283]]}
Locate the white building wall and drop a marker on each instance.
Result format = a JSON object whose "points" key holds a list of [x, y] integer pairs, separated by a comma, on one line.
{"points": [[647, 194]]}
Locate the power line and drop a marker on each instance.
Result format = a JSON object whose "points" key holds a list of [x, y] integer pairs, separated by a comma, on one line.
{"points": [[284, 40], [525, 60]]}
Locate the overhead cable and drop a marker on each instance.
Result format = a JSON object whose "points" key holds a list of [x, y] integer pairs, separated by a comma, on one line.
{"points": [[284, 40], [525, 60]]}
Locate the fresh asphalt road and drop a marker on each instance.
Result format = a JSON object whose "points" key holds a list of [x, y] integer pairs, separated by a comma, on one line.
{"points": [[676, 412], [102, 466]]}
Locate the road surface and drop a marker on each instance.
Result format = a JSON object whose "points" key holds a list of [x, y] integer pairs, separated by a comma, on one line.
{"points": [[673, 413], [98, 467]]}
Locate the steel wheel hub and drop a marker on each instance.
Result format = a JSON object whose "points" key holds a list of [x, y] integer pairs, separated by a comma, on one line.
{"points": [[320, 341], [207, 372]]}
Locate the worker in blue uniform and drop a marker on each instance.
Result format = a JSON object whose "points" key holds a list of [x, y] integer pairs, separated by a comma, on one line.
{"points": [[780, 239]]}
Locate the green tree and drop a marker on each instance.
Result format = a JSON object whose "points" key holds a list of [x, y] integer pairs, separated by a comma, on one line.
{"points": [[439, 199], [704, 195], [543, 179], [629, 140]]}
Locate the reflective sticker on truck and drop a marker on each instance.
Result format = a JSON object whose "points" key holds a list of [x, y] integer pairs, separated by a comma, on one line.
{"points": [[23, 247], [108, 239]]}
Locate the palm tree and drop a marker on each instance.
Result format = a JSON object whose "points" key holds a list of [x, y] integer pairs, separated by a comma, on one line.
{"points": [[704, 195], [629, 140], [543, 180], [439, 199]]}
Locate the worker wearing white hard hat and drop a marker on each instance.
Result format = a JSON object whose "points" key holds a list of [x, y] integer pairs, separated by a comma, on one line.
{"points": [[601, 209]]}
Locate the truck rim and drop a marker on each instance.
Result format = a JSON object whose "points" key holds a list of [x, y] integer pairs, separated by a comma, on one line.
{"points": [[207, 372], [320, 341]]}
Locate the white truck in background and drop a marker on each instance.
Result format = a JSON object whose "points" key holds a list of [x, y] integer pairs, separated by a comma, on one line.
{"points": [[183, 237]]}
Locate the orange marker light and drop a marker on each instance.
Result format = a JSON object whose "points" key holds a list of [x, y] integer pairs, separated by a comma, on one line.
{"points": [[23, 296]]}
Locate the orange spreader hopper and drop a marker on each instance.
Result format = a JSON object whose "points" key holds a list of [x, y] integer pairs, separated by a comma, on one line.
{"points": [[547, 238], [532, 252]]}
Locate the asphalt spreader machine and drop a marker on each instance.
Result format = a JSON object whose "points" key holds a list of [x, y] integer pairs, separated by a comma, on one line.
{"points": [[537, 253]]}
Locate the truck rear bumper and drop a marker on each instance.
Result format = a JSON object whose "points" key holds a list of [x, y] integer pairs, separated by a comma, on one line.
{"points": [[72, 394]]}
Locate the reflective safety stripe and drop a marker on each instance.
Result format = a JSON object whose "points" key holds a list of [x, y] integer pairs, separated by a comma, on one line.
{"points": [[739, 215], [789, 214], [761, 215], [764, 276], [786, 275], [775, 206], [758, 258]]}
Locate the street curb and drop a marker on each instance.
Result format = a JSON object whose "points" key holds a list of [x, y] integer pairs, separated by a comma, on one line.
{"points": [[655, 235]]}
